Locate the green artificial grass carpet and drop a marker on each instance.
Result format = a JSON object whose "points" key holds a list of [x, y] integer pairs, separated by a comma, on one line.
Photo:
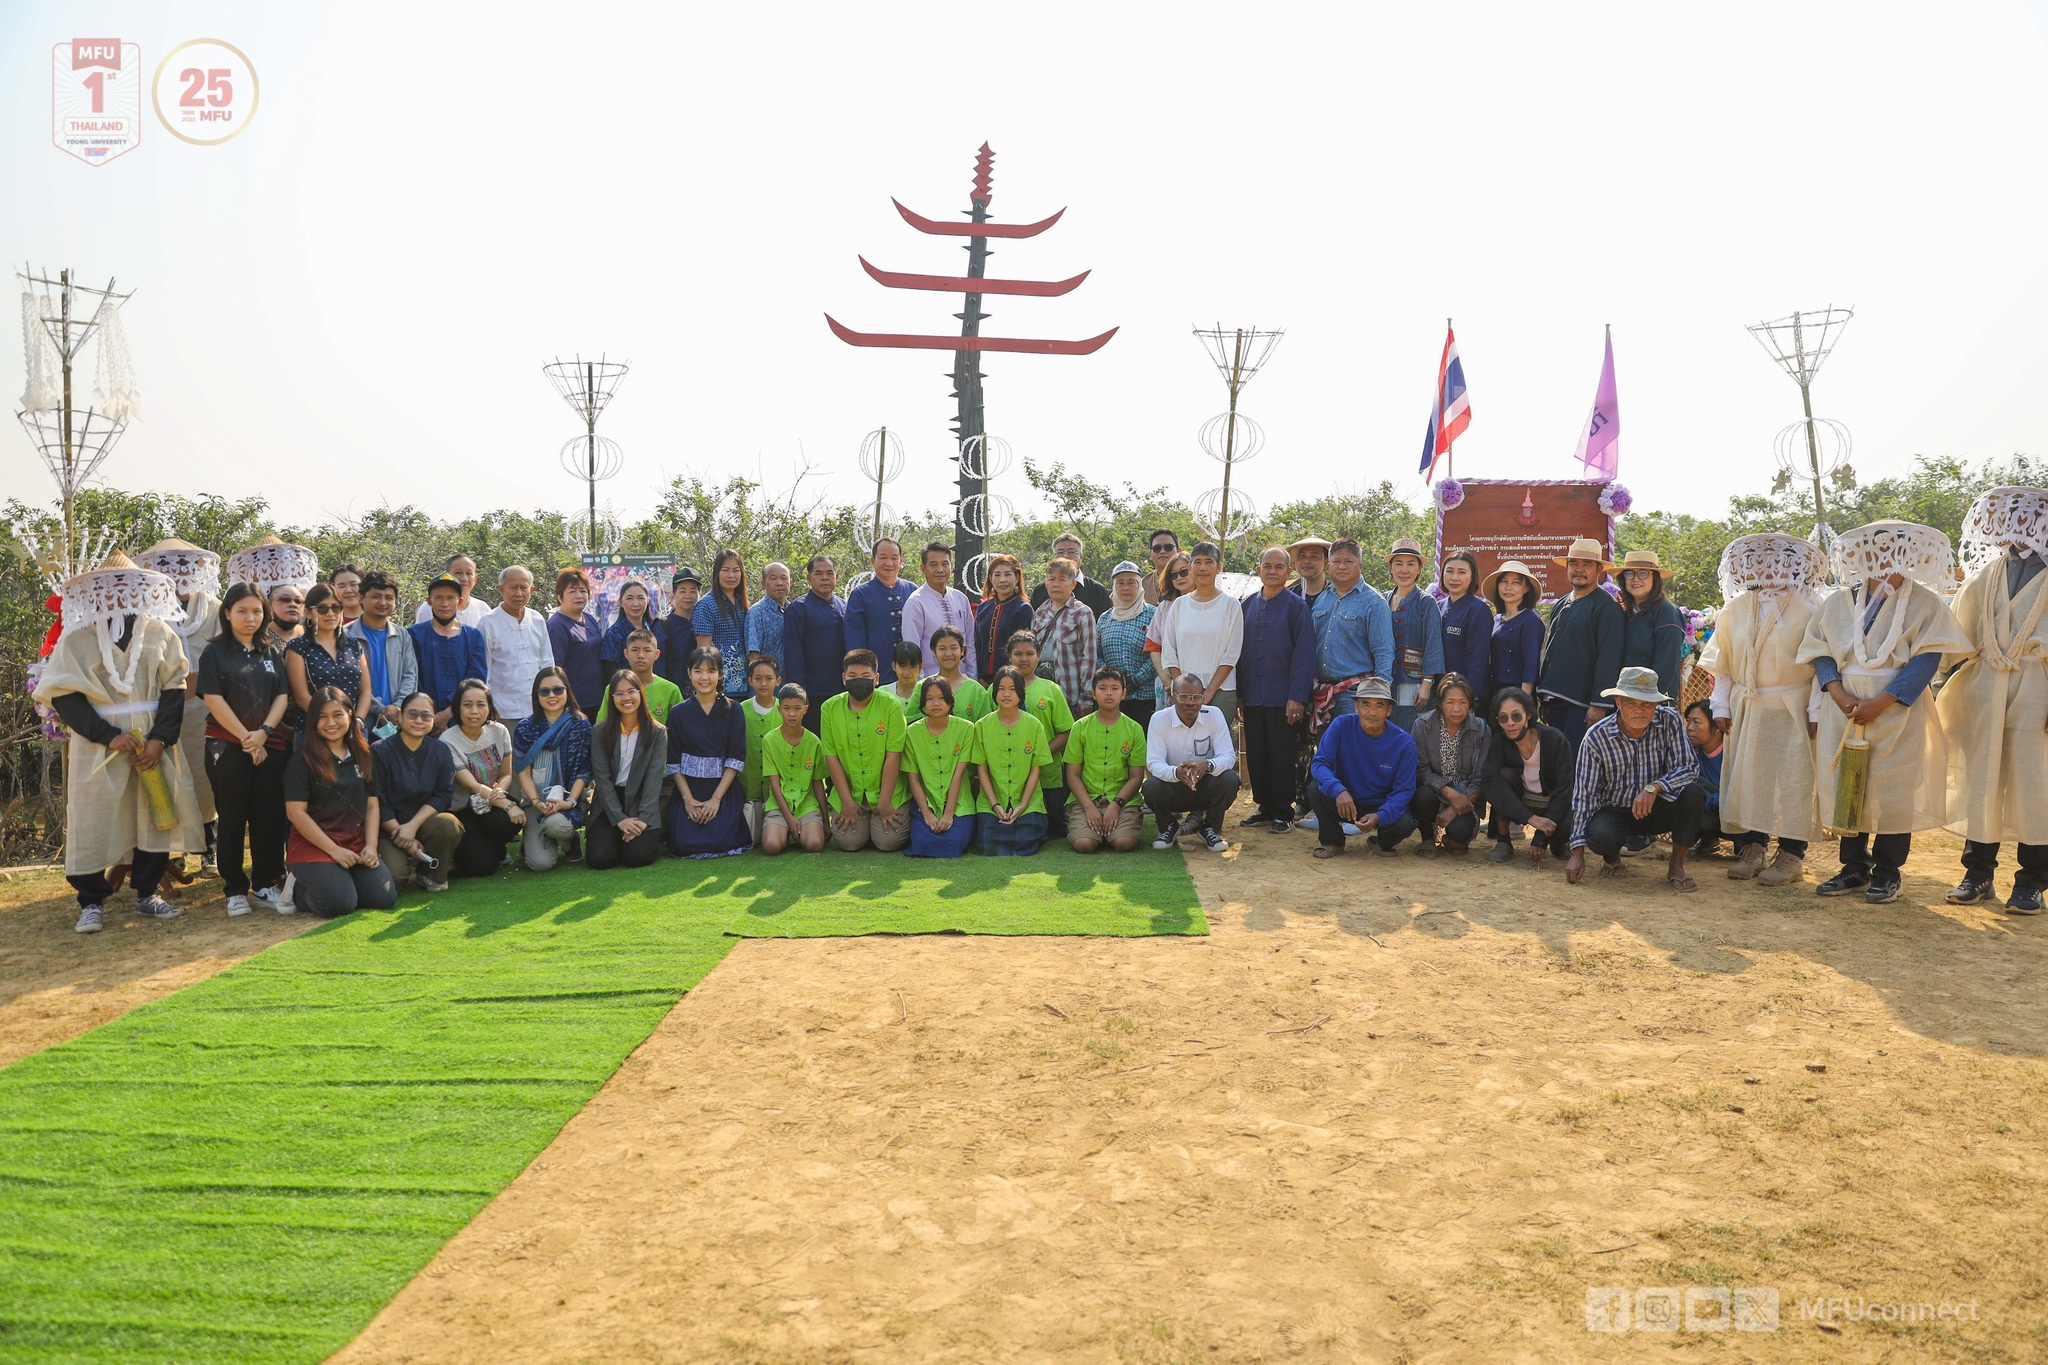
{"points": [[1057, 891], [251, 1168]]}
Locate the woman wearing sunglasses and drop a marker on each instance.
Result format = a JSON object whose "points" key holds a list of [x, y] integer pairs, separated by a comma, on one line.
{"points": [[1175, 579], [551, 761], [327, 656]]}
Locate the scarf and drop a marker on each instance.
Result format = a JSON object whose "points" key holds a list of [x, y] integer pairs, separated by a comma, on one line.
{"points": [[1131, 613], [521, 762]]}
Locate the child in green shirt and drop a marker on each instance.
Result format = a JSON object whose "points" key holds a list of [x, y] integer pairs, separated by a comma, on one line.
{"points": [[1013, 753], [792, 768], [907, 659], [1044, 699], [863, 738], [659, 693], [938, 759], [762, 715], [1105, 761], [970, 698]]}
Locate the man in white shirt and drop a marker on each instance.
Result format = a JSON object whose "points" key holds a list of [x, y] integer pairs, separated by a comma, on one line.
{"points": [[933, 604], [470, 611], [1191, 766], [517, 644]]}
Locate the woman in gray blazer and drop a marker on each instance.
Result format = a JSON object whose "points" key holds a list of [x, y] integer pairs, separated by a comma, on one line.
{"points": [[1450, 762], [628, 764]]}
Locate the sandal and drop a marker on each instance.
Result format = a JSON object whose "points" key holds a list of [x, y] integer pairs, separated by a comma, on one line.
{"points": [[1326, 851], [1614, 869], [1683, 882]]}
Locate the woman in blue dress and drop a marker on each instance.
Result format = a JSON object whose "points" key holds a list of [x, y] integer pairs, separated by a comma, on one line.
{"points": [[636, 612], [1418, 635], [1517, 652], [720, 620], [1468, 623], [707, 753]]}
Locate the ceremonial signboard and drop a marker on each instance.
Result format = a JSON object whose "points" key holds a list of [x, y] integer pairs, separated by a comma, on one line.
{"points": [[1503, 519]]}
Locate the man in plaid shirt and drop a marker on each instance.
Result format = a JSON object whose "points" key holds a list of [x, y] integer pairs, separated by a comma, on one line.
{"points": [[1637, 774], [1065, 627]]}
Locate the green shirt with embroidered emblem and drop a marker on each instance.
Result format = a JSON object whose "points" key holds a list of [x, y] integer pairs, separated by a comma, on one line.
{"points": [[798, 765], [935, 756], [1044, 700], [659, 694], [862, 742], [1010, 752], [759, 723], [1105, 753], [970, 699]]}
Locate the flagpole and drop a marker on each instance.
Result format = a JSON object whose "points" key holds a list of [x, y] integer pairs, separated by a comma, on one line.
{"points": [[1450, 459]]}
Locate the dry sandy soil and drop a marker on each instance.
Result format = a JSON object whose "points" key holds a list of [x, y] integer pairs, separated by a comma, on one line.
{"points": [[1391, 1110]]}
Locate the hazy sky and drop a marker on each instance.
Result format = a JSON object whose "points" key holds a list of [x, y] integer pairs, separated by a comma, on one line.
{"points": [[350, 302]]}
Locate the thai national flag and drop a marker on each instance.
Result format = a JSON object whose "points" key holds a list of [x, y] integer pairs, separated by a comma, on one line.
{"points": [[1452, 412]]}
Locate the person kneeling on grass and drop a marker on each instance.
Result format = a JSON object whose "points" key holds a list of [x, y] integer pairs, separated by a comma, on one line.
{"points": [[707, 752], [1638, 775], [1105, 768], [1012, 753], [1364, 774], [761, 714], [793, 768], [938, 762], [1193, 766], [332, 808], [1047, 702], [628, 761], [551, 762], [863, 738], [415, 788]]}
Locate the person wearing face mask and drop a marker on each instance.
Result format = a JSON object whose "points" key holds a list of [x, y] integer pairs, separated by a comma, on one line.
{"points": [[469, 610], [863, 746], [1581, 647], [447, 650]]}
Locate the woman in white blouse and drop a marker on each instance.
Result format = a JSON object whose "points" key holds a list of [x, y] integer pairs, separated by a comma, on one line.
{"points": [[1204, 634]]}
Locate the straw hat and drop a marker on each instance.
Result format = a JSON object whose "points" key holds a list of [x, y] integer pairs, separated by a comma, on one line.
{"points": [[1507, 567], [1406, 546], [1585, 548], [1636, 559], [1310, 543]]}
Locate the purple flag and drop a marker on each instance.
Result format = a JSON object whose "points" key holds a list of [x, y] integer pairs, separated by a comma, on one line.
{"points": [[1600, 438]]}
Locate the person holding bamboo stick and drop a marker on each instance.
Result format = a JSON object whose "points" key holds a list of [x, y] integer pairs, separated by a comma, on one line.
{"points": [[1881, 763], [117, 680]]}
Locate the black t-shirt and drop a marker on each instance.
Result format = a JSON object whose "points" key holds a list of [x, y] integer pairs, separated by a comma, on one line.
{"points": [[1092, 594], [248, 680], [338, 807]]}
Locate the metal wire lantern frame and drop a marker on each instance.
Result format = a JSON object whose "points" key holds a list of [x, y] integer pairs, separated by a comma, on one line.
{"points": [[1801, 343], [588, 387]]}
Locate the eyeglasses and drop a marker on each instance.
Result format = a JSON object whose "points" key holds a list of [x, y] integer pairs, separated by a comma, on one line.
{"points": [[1164, 547], [553, 691], [1182, 572], [417, 715], [328, 608]]}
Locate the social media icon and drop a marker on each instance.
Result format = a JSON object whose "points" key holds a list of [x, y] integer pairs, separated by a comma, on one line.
{"points": [[1607, 1310], [1658, 1309], [1707, 1310], [1755, 1309]]}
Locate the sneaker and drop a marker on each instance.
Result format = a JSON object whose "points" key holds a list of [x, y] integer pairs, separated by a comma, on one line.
{"points": [[88, 920], [274, 898], [2024, 902], [426, 885], [1169, 832], [285, 904], [1748, 863], [208, 864], [1883, 888], [1785, 870], [1635, 846], [238, 906], [1216, 843], [1257, 817], [1501, 852], [156, 907], [1281, 826], [1842, 883], [1969, 891]]}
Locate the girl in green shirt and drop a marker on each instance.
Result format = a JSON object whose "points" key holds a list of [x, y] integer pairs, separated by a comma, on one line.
{"points": [[938, 755], [763, 715], [1012, 750], [1047, 701], [970, 698]]}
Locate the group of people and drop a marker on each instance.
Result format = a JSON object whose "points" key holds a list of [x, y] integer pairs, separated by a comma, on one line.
{"points": [[324, 755]]}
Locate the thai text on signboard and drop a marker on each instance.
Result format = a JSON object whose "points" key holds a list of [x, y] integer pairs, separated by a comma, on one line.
{"points": [[1501, 519]]}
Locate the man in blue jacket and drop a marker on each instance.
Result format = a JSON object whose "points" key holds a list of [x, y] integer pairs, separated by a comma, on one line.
{"points": [[874, 610], [814, 638], [1275, 671], [1363, 775], [447, 650]]}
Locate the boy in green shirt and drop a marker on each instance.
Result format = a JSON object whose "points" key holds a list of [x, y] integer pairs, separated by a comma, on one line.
{"points": [[1044, 700], [906, 659], [791, 768], [1105, 760], [863, 740], [641, 652], [970, 698], [1013, 756], [762, 715]]}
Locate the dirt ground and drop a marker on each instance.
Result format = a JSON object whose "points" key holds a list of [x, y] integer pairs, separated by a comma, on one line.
{"points": [[1392, 1110], [56, 984]]}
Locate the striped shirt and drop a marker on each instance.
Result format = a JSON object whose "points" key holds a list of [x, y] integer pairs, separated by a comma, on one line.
{"points": [[1614, 769]]}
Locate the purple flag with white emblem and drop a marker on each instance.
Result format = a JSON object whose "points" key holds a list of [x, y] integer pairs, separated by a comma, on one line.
{"points": [[1600, 438]]}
